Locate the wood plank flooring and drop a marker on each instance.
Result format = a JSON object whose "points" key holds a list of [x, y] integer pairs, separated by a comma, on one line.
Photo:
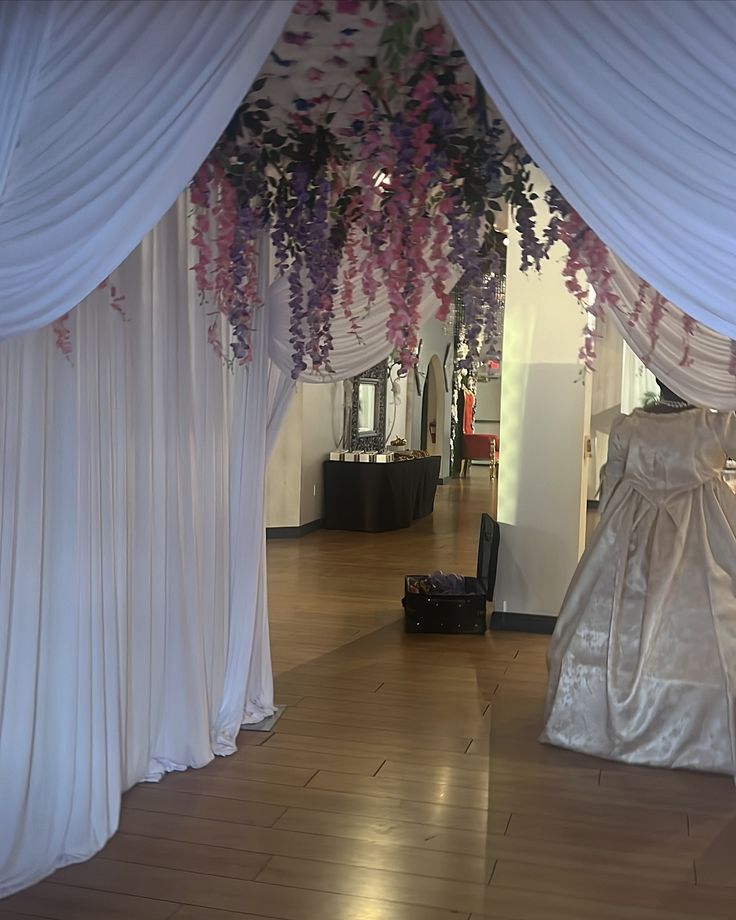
{"points": [[405, 780]]}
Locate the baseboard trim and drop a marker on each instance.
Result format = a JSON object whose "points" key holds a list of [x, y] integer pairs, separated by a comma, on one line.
{"points": [[538, 623], [292, 533]]}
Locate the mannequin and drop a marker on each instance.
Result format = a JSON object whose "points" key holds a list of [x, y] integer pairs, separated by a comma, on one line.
{"points": [[642, 664]]}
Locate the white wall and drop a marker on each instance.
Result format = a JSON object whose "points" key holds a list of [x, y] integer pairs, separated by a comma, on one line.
{"points": [[321, 431], [311, 429], [488, 405], [283, 473], [434, 342], [544, 421]]}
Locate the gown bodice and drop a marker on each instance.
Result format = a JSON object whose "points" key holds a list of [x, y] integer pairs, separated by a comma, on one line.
{"points": [[671, 452]]}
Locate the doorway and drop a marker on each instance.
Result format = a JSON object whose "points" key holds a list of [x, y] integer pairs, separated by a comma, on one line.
{"points": [[433, 409]]}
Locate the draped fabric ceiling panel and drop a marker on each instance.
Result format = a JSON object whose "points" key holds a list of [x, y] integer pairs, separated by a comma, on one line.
{"points": [[706, 377], [353, 352], [319, 58], [107, 110]]}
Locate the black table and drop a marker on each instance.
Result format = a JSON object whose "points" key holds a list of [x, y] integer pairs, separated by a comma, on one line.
{"points": [[379, 496]]}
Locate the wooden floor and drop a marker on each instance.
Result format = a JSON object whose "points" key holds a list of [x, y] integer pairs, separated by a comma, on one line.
{"points": [[404, 781]]}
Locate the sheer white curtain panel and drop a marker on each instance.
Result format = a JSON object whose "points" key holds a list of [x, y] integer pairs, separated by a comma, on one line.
{"points": [[107, 108], [133, 631], [629, 107]]}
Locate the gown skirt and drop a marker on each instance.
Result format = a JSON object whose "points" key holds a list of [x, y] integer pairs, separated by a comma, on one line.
{"points": [[642, 664]]}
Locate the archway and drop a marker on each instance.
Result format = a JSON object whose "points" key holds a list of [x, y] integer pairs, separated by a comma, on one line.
{"points": [[433, 409]]}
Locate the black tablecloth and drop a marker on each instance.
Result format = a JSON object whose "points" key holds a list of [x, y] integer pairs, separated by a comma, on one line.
{"points": [[379, 496]]}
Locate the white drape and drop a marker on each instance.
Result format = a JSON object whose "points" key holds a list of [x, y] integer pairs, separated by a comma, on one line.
{"points": [[352, 353], [107, 108], [280, 390], [133, 635], [706, 378], [628, 106]]}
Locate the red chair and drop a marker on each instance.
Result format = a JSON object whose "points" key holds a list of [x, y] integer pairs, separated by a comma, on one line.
{"points": [[476, 446]]}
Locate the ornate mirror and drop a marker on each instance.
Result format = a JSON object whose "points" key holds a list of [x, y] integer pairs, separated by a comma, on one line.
{"points": [[368, 428], [367, 408]]}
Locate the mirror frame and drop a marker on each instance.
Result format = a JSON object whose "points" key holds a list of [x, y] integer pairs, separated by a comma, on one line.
{"points": [[374, 440]]}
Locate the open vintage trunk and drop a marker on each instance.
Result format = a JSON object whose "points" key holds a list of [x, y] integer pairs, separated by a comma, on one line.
{"points": [[463, 612]]}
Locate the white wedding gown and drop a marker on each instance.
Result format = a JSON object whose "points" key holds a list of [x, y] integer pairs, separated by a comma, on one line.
{"points": [[642, 663]]}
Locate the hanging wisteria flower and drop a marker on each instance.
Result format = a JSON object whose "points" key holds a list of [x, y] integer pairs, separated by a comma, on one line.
{"points": [[404, 190], [63, 335], [590, 276], [392, 182], [393, 179]]}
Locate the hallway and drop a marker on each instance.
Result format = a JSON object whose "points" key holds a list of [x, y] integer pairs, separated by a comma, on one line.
{"points": [[404, 780]]}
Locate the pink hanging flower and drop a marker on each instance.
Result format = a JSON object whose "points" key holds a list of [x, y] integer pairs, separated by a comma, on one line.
{"points": [[587, 253], [434, 37], [116, 301], [307, 7], [63, 335], [348, 7], [300, 39], [198, 190], [639, 303], [659, 308], [213, 339], [225, 213], [199, 194], [424, 90], [689, 328], [441, 271]]}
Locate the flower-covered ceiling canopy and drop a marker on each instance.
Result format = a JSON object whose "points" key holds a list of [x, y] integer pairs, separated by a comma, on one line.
{"points": [[370, 153], [330, 47]]}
